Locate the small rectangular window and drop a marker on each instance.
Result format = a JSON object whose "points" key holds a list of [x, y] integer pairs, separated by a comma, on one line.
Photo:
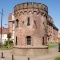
{"points": [[16, 40], [43, 41], [28, 40]]}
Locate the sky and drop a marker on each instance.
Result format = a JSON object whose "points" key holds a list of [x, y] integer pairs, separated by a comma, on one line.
{"points": [[8, 7]]}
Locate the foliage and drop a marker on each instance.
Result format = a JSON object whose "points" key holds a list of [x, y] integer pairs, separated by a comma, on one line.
{"points": [[8, 42], [7, 45], [58, 58]]}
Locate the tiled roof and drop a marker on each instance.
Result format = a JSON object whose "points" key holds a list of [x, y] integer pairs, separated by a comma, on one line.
{"points": [[4, 30]]}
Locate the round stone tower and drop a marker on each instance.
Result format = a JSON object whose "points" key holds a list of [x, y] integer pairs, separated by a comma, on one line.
{"points": [[30, 28]]}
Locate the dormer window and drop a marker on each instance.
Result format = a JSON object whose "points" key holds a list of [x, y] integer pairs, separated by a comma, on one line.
{"points": [[28, 21]]}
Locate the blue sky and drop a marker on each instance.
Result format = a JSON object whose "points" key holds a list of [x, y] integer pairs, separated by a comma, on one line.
{"points": [[53, 9]]}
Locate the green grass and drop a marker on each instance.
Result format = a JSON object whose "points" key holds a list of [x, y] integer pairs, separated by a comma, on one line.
{"points": [[5, 47], [58, 58], [52, 45]]}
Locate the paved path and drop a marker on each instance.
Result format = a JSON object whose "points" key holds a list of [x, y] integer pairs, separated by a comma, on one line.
{"points": [[53, 53]]}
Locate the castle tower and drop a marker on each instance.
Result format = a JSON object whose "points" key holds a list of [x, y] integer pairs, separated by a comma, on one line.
{"points": [[30, 28]]}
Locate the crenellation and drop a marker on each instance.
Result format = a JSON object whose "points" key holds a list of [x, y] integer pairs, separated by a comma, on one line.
{"points": [[30, 5], [25, 5], [35, 5]]}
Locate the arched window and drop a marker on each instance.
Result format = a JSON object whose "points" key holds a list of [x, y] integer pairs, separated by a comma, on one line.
{"points": [[17, 23], [28, 21], [28, 40], [16, 40]]}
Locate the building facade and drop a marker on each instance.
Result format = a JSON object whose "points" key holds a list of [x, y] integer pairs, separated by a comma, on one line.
{"points": [[59, 36], [52, 31], [4, 34], [28, 25], [11, 25]]}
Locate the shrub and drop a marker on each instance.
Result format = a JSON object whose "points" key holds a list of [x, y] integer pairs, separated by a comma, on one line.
{"points": [[8, 42]]}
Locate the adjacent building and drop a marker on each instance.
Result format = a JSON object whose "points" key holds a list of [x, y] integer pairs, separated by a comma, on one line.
{"points": [[52, 31], [4, 34], [58, 36]]}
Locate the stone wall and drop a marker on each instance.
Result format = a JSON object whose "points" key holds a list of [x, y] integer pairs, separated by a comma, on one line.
{"points": [[30, 5], [38, 25], [52, 31], [30, 51]]}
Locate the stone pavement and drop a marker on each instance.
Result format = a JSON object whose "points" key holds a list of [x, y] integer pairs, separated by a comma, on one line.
{"points": [[53, 53]]}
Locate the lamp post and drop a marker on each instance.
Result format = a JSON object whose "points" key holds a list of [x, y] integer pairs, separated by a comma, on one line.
{"points": [[1, 24]]}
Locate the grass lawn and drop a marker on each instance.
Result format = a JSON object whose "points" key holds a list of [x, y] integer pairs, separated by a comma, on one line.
{"points": [[52, 45], [5, 48], [58, 58]]}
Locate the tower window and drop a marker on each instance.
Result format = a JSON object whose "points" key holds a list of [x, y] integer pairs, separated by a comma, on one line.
{"points": [[16, 40], [43, 41], [17, 23], [28, 21], [28, 40]]}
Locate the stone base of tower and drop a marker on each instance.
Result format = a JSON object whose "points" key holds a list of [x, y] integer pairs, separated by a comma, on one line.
{"points": [[30, 51]]}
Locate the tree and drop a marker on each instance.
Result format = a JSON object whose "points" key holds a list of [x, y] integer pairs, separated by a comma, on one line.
{"points": [[8, 36]]}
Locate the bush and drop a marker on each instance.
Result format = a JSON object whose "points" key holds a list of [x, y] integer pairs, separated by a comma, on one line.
{"points": [[8, 42]]}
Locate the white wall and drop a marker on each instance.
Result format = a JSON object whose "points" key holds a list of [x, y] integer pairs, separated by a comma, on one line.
{"points": [[4, 37]]}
